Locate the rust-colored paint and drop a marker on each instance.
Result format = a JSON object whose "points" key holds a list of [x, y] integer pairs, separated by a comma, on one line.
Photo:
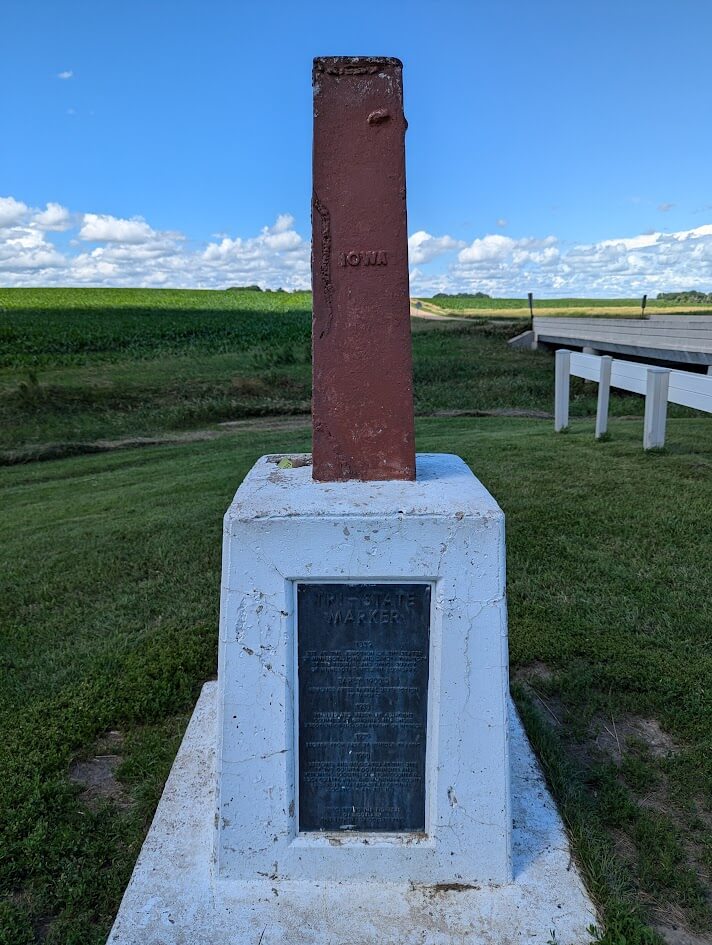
{"points": [[363, 375]]}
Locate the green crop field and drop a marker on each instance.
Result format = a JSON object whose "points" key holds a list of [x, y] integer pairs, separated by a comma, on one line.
{"points": [[43, 328], [598, 308], [111, 571]]}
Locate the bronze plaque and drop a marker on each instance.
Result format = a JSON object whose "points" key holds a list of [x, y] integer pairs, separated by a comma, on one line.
{"points": [[362, 656]]}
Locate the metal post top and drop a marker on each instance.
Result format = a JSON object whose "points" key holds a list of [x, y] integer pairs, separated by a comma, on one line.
{"points": [[355, 65]]}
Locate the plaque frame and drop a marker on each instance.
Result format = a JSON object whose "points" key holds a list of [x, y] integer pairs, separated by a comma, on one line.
{"points": [[374, 837]]}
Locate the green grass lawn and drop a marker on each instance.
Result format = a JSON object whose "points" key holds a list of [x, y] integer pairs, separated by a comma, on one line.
{"points": [[110, 587], [109, 614]]}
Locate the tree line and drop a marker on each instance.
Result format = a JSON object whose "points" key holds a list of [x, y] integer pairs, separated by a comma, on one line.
{"points": [[691, 295]]}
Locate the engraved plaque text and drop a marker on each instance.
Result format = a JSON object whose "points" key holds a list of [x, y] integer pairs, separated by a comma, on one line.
{"points": [[363, 694]]}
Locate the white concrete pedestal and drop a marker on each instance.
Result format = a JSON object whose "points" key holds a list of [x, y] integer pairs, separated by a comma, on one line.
{"points": [[444, 529], [226, 861]]}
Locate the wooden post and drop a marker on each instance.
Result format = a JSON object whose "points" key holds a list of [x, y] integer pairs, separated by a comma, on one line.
{"points": [[656, 397], [562, 373], [604, 395]]}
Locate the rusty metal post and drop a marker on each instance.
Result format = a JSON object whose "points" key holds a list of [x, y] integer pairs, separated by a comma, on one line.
{"points": [[363, 379]]}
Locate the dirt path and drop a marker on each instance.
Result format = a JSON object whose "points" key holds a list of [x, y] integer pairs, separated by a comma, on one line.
{"points": [[291, 422], [433, 313], [45, 451], [42, 452]]}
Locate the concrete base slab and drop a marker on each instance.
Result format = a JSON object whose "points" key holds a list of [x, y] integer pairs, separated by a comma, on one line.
{"points": [[174, 899]]}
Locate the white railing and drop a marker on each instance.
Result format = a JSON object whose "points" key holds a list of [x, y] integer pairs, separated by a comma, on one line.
{"points": [[660, 386]]}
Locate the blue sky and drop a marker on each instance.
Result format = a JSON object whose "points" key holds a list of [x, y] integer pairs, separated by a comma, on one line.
{"points": [[558, 146]]}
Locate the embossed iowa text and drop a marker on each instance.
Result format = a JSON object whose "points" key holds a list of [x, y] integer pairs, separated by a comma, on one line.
{"points": [[373, 257]]}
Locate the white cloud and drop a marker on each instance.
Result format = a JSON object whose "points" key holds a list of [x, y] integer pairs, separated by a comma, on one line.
{"points": [[665, 207], [53, 217], [107, 229], [655, 237], [423, 248], [100, 249], [284, 240], [617, 267], [279, 256], [543, 252], [12, 211], [130, 252], [501, 222], [487, 249], [67, 74], [285, 221], [24, 252], [633, 242]]}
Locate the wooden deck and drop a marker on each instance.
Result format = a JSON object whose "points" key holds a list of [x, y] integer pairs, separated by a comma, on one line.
{"points": [[678, 339]]}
